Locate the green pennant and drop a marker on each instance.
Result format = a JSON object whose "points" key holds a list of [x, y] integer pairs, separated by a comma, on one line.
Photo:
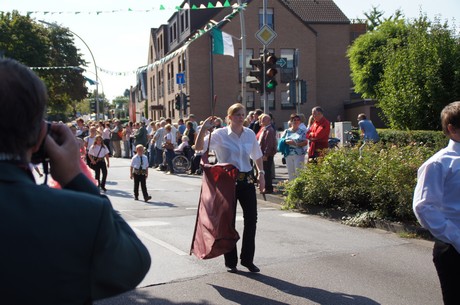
{"points": [[178, 8], [210, 5], [130, 10], [194, 7], [162, 8], [227, 4]]}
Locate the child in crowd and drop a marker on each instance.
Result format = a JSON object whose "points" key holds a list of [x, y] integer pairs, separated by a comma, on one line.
{"points": [[437, 206], [139, 171]]}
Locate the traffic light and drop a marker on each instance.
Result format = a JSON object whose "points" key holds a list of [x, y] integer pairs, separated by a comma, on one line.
{"points": [[186, 101], [303, 92], [257, 74], [291, 93], [92, 105], [177, 103], [270, 72]]}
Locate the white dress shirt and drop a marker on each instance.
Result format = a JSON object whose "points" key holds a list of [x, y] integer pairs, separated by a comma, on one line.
{"points": [[136, 162], [234, 149], [437, 195]]}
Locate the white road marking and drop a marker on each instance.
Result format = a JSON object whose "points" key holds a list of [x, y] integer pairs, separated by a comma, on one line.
{"points": [[159, 242]]}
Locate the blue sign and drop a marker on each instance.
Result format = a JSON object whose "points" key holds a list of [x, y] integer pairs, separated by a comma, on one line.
{"points": [[180, 78], [281, 62]]}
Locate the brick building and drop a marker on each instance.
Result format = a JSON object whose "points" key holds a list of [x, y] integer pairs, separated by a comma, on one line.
{"points": [[317, 29]]}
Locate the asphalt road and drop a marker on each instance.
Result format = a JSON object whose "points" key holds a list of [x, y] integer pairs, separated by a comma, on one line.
{"points": [[304, 259]]}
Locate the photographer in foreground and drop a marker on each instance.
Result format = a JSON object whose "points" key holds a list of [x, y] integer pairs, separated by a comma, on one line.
{"points": [[58, 246]]}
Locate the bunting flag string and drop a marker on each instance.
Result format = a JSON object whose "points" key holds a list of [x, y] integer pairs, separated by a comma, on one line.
{"points": [[57, 68], [161, 7], [207, 28]]}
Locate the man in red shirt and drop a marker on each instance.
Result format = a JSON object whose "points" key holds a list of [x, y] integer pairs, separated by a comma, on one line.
{"points": [[318, 135]]}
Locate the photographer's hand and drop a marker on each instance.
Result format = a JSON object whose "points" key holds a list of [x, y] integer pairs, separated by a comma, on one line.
{"points": [[63, 151]]}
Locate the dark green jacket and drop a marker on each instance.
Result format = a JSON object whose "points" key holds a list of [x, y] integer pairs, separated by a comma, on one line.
{"points": [[63, 246]]}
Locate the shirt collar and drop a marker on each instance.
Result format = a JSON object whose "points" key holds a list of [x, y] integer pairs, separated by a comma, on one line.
{"points": [[455, 146]]}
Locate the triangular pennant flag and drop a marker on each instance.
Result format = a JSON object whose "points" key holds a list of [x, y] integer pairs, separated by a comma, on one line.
{"points": [[202, 6], [222, 43], [227, 3], [186, 6], [162, 7], [218, 4], [210, 5], [194, 7]]}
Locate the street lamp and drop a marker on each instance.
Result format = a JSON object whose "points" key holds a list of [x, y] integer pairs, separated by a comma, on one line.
{"points": [[90, 52]]}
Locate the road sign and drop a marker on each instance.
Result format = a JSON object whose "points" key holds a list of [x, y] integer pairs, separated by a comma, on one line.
{"points": [[266, 35], [281, 62], [180, 78]]}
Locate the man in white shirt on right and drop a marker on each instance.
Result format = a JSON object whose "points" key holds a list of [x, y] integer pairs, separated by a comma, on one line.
{"points": [[437, 204]]}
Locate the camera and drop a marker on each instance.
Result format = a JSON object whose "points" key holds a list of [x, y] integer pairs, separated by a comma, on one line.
{"points": [[40, 155]]}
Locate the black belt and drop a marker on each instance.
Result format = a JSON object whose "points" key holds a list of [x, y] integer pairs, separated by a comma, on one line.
{"points": [[245, 177]]}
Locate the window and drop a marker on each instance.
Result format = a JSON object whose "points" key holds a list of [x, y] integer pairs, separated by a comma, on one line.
{"points": [[269, 17], [250, 100], [271, 100], [182, 22], [287, 73]]}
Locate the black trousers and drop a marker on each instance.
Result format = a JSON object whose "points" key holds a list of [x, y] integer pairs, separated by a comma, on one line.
{"points": [[246, 195], [268, 167], [140, 179], [447, 262], [98, 168]]}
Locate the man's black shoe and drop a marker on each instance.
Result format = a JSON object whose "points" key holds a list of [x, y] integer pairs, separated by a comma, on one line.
{"points": [[148, 198], [136, 198], [251, 267], [231, 269]]}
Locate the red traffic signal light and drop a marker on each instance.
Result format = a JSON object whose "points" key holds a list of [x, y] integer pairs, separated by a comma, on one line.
{"points": [[270, 72]]}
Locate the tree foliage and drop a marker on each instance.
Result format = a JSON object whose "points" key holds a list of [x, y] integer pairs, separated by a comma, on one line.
{"points": [[411, 67], [35, 45]]}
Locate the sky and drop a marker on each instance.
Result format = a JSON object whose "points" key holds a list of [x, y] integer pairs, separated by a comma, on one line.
{"points": [[119, 40]]}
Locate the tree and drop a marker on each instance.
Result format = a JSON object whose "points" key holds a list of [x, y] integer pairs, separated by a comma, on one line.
{"points": [[367, 55], [421, 77], [411, 67], [66, 86], [37, 46], [23, 40]]}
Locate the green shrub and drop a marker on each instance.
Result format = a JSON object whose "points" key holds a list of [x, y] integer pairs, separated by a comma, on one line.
{"points": [[382, 180]]}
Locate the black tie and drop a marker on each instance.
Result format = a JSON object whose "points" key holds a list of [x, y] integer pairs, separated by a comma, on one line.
{"points": [[141, 161]]}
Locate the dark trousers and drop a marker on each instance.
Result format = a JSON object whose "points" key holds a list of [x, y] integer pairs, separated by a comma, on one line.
{"points": [[98, 167], [195, 163], [170, 154], [109, 145], [447, 262], [152, 156], [268, 168], [140, 179], [246, 195], [159, 156]]}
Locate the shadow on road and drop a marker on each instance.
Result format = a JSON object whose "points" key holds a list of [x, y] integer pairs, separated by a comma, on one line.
{"points": [[316, 295]]}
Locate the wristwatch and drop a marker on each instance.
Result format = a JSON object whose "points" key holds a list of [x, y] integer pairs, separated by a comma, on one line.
{"points": [[262, 172]]}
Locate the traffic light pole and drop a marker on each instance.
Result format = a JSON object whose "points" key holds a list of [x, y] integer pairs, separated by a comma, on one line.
{"points": [[266, 107]]}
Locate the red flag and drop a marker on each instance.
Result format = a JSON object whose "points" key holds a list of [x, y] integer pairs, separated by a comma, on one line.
{"points": [[215, 232]]}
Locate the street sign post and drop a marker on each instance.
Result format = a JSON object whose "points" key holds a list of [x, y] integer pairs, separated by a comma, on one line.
{"points": [[180, 78]]}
